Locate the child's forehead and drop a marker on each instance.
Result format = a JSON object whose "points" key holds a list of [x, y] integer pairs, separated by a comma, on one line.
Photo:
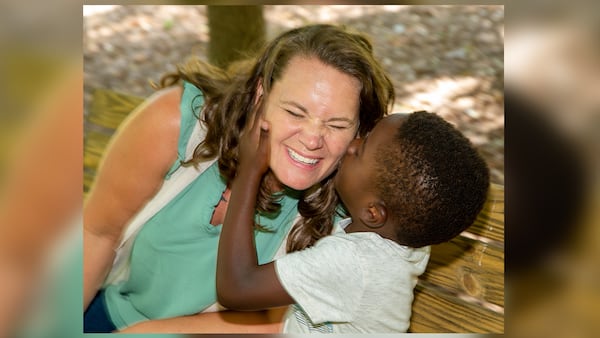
{"points": [[398, 116], [391, 121]]}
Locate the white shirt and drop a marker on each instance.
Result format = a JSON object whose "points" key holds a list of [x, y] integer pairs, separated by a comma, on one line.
{"points": [[351, 283]]}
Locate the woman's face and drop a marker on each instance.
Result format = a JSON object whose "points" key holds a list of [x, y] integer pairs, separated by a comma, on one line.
{"points": [[313, 111]]}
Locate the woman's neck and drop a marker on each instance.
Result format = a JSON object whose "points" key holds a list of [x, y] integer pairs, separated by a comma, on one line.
{"points": [[279, 188]]}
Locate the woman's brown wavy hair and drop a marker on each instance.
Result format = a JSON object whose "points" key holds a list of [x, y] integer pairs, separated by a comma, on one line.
{"points": [[230, 96]]}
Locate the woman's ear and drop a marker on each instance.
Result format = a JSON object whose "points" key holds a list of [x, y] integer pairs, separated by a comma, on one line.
{"points": [[374, 215]]}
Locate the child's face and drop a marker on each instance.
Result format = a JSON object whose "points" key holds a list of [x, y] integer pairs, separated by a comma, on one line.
{"points": [[357, 168]]}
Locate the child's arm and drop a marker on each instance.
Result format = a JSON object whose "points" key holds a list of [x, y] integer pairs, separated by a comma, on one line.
{"points": [[243, 284]]}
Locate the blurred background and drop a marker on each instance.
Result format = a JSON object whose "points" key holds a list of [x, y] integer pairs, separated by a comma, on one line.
{"points": [[443, 59], [448, 59]]}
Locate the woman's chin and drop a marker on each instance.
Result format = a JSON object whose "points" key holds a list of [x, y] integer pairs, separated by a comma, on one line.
{"points": [[292, 183], [297, 178], [300, 186]]}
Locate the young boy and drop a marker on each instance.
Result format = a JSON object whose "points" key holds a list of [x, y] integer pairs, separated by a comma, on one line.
{"points": [[412, 182]]}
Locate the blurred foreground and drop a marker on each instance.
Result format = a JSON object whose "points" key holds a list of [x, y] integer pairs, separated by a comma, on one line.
{"points": [[552, 164]]}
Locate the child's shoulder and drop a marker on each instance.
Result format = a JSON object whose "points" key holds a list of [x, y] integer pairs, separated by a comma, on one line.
{"points": [[357, 241]]}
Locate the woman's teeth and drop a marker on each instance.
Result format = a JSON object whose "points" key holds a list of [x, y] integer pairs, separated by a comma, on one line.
{"points": [[299, 158]]}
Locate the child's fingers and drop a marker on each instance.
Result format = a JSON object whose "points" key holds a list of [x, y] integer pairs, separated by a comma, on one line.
{"points": [[250, 132], [264, 132], [263, 141], [256, 114]]}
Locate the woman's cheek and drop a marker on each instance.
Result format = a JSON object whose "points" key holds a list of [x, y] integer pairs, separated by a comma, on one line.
{"points": [[342, 145]]}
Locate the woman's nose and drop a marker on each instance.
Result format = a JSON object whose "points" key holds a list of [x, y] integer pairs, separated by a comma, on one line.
{"points": [[312, 137]]}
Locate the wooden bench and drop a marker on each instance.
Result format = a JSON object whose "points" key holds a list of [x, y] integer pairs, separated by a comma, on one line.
{"points": [[462, 289]]}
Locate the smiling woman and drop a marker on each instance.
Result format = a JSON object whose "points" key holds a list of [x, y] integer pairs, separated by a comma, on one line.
{"points": [[305, 143], [160, 203]]}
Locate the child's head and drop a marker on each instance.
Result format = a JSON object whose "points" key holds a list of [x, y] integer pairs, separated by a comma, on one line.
{"points": [[414, 179]]}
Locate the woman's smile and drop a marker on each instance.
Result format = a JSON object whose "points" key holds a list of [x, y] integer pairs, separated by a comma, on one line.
{"points": [[308, 161]]}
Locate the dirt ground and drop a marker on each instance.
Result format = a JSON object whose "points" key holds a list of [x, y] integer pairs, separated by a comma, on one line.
{"points": [[445, 59]]}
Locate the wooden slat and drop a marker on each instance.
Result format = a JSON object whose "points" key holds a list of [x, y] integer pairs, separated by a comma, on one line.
{"points": [[88, 179], [437, 312], [469, 267], [95, 144], [109, 108], [462, 289], [490, 222], [107, 111]]}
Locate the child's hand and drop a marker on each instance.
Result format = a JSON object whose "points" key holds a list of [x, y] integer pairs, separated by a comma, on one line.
{"points": [[254, 144]]}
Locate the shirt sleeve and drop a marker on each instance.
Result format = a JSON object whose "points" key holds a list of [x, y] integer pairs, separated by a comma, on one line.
{"points": [[326, 280]]}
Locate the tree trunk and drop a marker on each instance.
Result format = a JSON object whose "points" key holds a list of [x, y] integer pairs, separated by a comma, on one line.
{"points": [[235, 32]]}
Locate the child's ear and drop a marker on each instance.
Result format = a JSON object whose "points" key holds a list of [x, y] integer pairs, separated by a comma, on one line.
{"points": [[374, 215]]}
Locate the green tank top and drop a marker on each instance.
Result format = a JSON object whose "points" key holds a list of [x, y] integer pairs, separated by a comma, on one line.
{"points": [[173, 258]]}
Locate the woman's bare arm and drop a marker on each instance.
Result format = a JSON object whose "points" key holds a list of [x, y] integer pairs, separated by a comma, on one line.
{"points": [[131, 172], [267, 321]]}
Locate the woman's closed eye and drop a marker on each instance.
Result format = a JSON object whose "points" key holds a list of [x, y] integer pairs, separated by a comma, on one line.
{"points": [[294, 114], [339, 126], [336, 124]]}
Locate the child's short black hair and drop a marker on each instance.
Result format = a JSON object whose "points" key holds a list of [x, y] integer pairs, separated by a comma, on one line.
{"points": [[432, 180]]}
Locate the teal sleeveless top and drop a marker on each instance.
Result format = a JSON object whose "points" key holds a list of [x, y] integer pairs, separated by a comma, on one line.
{"points": [[173, 258]]}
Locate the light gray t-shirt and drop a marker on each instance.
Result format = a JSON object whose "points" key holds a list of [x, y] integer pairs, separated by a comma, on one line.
{"points": [[351, 283]]}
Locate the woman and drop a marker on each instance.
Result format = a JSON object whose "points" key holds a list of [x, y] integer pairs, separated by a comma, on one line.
{"points": [[320, 87]]}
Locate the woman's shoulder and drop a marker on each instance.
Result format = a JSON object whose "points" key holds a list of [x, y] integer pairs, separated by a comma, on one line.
{"points": [[155, 125], [135, 162], [158, 117], [164, 104]]}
